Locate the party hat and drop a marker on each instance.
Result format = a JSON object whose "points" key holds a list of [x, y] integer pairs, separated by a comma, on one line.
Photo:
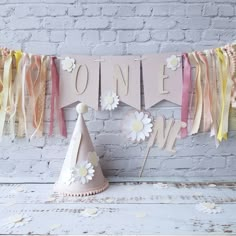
{"points": [[81, 174]]}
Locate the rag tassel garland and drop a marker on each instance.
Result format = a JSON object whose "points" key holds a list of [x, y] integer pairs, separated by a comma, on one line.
{"points": [[214, 91], [23, 82]]}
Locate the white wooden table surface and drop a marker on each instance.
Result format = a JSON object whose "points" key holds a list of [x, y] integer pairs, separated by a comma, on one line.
{"points": [[124, 208]]}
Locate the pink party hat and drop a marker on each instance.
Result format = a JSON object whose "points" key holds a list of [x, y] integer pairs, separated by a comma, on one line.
{"points": [[81, 174]]}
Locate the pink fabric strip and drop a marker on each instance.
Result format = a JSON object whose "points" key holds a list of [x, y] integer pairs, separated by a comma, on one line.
{"points": [[55, 99], [185, 93]]}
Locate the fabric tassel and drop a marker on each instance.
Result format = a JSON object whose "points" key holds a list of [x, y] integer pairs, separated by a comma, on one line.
{"points": [[185, 94], [55, 101]]}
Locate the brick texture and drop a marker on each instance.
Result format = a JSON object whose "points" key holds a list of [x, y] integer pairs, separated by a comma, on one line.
{"points": [[117, 27]]}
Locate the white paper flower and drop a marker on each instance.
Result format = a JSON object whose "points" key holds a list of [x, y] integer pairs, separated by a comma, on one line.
{"points": [[84, 172], [68, 64], [68, 176], [16, 221], [173, 62], [89, 212], [209, 207], [109, 101], [93, 158], [137, 126]]}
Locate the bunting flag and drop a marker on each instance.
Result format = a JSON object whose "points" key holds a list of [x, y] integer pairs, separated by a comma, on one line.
{"points": [[201, 83], [121, 75], [79, 80], [162, 79]]}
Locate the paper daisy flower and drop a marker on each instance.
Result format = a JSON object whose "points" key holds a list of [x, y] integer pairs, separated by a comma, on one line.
{"points": [[173, 62], [209, 207], [16, 221], [137, 126], [84, 172], [93, 158], [68, 64], [109, 101], [68, 176]]}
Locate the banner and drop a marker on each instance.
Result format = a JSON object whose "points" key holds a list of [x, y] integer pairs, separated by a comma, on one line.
{"points": [[162, 79], [121, 74], [79, 80]]}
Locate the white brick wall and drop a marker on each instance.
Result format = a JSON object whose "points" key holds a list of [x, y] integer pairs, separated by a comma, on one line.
{"points": [[118, 27]]}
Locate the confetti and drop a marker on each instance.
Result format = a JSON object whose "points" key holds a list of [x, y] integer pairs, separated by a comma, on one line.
{"points": [[209, 208], [90, 212]]}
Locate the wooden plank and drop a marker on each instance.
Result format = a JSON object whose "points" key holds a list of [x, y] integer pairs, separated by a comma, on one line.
{"points": [[120, 193], [122, 219]]}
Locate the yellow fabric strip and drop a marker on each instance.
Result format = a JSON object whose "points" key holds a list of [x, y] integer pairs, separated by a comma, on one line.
{"points": [[226, 86]]}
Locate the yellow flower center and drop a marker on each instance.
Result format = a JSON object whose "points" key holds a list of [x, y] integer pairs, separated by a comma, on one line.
{"points": [[109, 100], [174, 62], [83, 171], [137, 126]]}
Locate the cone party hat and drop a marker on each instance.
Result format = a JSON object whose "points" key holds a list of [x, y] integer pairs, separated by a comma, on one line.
{"points": [[81, 174]]}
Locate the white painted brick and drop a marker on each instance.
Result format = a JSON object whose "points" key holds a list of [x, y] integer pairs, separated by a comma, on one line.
{"points": [[109, 10], [112, 139], [41, 35], [102, 115], [142, 48], [6, 10], [19, 36], [75, 11], [194, 10], [39, 10], [24, 23], [91, 36], [21, 11], [58, 23], [159, 35], [57, 10], [108, 36], [193, 35], [160, 23], [57, 36], [176, 47], [127, 23], [210, 10], [108, 49], [40, 167], [161, 10], [214, 162], [41, 48], [142, 36], [224, 23], [92, 10], [194, 23], [176, 35], [92, 23], [7, 167], [177, 10], [74, 35], [126, 10], [143, 10], [177, 163], [226, 10], [95, 125], [126, 36], [211, 35], [112, 125]]}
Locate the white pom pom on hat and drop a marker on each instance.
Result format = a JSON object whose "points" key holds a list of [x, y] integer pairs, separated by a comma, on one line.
{"points": [[81, 108]]}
